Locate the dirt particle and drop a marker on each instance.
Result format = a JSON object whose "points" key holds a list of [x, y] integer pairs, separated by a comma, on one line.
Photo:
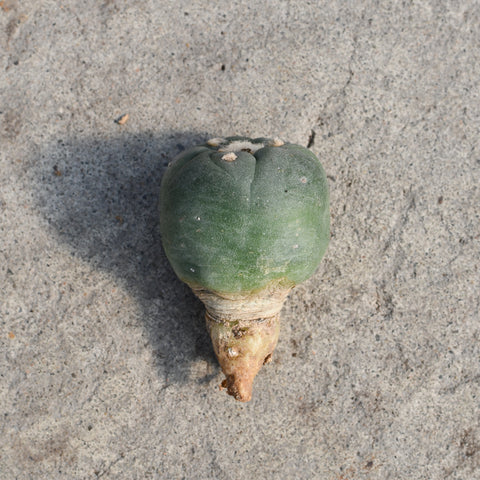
{"points": [[6, 5], [123, 119], [311, 139], [469, 444], [13, 25], [12, 124], [239, 332]]}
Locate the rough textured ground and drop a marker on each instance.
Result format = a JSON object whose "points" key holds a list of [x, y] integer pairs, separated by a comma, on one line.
{"points": [[106, 370]]}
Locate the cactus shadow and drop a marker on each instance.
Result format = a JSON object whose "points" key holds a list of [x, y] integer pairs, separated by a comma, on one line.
{"points": [[100, 197]]}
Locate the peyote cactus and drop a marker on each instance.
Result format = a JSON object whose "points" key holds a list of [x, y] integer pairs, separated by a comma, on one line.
{"points": [[243, 221]]}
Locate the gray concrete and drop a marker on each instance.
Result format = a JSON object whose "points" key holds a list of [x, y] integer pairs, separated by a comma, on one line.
{"points": [[106, 370]]}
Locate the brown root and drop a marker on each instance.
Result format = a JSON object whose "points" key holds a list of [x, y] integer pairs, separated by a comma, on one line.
{"points": [[244, 330], [242, 347]]}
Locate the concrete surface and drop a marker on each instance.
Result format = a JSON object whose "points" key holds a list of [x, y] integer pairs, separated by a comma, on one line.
{"points": [[106, 370]]}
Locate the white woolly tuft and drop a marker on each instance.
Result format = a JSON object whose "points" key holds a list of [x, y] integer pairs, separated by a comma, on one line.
{"points": [[239, 145], [215, 142], [277, 142], [229, 157]]}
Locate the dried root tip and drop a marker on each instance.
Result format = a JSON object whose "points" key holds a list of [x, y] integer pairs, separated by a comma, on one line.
{"points": [[242, 347], [240, 388]]}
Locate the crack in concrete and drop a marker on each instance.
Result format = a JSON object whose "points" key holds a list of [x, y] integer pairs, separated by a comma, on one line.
{"points": [[338, 98]]}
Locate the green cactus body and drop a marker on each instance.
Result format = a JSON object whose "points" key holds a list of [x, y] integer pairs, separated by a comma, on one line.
{"points": [[244, 219], [236, 226]]}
